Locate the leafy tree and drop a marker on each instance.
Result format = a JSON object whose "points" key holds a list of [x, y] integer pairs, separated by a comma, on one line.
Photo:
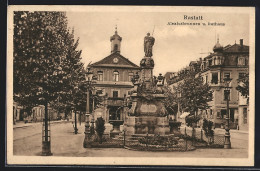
{"points": [[170, 102], [44, 51], [194, 93], [243, 86], [100, 128], [191, 119]]}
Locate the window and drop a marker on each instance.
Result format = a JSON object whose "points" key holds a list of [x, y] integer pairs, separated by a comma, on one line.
{"points": [[100, 76], [210, 114], [210, 62], [214, 78], [245, 115], [116, 76], [226, 94], [227, 75], [241, 75], [202, 67], [115, 47], [206, 78], [115, 94], [223, 113], [130, 76], [241, 61]]}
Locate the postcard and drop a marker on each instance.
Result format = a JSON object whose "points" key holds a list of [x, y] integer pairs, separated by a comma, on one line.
{"points": [[130, 85]]}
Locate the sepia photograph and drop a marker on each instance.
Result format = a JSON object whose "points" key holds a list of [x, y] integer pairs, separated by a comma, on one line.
{"points": [[130, 85]]}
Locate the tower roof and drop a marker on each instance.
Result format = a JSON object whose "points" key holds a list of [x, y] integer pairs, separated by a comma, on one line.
{"points": [[115, 36], [217, 46]]}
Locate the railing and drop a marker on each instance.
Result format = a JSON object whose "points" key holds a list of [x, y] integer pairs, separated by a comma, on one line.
{"points": [[199, 139], [184, 140], [115, 101]]}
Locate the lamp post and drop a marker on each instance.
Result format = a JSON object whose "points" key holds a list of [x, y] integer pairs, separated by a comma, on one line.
{"points": [[93, 106], [178, 101], [46, 137], [227, 143], [89, 76], [75, 129]]}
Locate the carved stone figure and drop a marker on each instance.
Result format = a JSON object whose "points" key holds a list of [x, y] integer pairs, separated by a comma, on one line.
{"points": [[148, 45]]}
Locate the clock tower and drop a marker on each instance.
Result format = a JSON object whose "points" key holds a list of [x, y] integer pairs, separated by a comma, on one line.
{"points": [[115, 42]]}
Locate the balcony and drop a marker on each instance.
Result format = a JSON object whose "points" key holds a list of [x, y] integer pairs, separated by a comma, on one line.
{"points": [[115, 101], [230, 102]]}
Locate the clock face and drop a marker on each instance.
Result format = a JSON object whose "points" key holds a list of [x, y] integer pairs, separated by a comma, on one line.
{"points": [[115, 60]]}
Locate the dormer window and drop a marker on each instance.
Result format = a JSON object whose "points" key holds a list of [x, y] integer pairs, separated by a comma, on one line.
{"points": [[241, 61]]}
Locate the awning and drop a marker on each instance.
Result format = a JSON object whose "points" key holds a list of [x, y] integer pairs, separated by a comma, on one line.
{"points": [[183, 115]]}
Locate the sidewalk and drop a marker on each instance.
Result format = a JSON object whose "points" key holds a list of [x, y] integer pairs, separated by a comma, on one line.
{"points": [[21, 124], [218, 130], [231, 130]]}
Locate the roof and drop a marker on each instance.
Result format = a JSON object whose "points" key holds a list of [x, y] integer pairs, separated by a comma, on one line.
{"points": [[217, 46], [168, 75], [236, 48], [109, 62]]}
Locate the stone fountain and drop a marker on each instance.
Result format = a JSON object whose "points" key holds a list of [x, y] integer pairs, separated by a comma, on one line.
{"points": [[147, 113]]}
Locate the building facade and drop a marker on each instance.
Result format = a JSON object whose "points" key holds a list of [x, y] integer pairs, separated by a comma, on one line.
{"points": [[114, 74], [37, 113], [230, 61]]}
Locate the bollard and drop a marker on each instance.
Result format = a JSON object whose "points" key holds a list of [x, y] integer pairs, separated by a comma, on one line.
{"points": [[147, 141], [201, 134], [124, 138], [186, 144], [193, 135]]}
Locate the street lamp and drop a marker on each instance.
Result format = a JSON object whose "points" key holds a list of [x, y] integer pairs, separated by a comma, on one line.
{"points": [[227, 80], [93, 106], [89, 77], [178, 100]]}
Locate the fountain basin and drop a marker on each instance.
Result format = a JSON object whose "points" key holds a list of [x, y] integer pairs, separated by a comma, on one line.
{"points": [[116, 127], [146, 124]]}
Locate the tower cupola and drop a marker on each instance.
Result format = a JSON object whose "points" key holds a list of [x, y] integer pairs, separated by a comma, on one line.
{"points": [[115, 42], [217, 47]]}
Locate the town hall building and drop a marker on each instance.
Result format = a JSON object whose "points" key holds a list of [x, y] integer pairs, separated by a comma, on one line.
{"points": [[114, 74]]}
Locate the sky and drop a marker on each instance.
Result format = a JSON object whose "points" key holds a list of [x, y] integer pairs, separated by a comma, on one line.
{"points": [[175, 46]]}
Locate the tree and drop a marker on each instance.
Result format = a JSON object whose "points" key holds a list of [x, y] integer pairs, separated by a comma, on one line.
{"points": [[170, 102], [243, 86], [100, 128], [43, 46], [194, 93]]}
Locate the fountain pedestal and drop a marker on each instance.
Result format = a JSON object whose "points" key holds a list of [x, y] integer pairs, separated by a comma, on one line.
{"points": [[116, 127], [146, 124]]}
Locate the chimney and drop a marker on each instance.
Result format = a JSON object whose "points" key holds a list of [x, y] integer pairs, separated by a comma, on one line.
{"points": [[241, 42]]}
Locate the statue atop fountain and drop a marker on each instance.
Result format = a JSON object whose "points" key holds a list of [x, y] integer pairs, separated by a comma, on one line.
{"points": [[147, 113], [148, 45]]}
